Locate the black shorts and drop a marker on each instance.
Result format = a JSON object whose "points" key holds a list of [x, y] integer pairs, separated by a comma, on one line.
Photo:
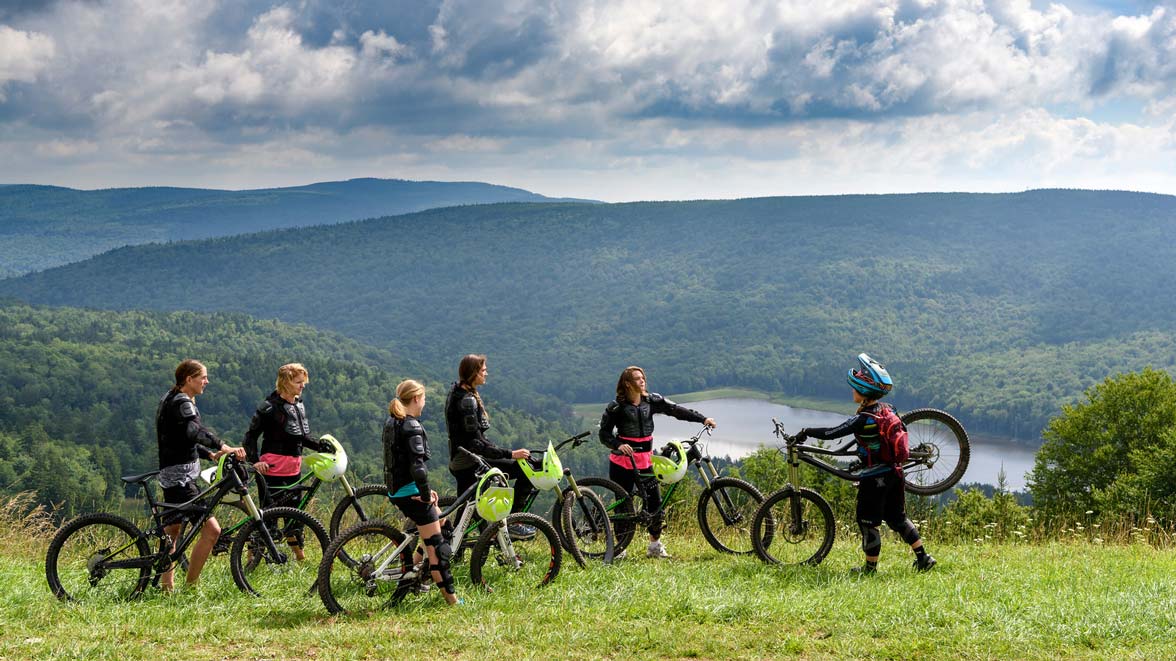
{"points": [[177, 495], [422, 514], [882, 498]]}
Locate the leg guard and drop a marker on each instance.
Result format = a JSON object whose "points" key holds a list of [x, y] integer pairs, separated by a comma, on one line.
{"points": [[906, 530], [871, 540], [444, 555]]}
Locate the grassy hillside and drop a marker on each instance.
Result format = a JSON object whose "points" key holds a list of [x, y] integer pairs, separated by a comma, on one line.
{"points": [[1071, 601], [997, 307], [46, 226]]}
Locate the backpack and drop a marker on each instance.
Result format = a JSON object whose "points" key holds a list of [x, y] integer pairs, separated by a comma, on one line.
{"points": [[893, 447]]}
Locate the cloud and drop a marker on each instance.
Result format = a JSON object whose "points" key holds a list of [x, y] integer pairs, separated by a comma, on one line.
{"points": [[23, 55], [586, 85]]}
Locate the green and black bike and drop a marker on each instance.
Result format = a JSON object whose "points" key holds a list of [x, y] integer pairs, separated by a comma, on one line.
{"points": [[725, 506]]}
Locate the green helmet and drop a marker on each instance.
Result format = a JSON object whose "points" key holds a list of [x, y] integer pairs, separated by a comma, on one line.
{"points": [[494, 497], [215, 474], [551, 473], [666, 469], [327, 466]]}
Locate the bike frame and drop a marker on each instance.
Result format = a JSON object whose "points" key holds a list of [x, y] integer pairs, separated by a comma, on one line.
{"points": [[165, 558], [701, 462]]}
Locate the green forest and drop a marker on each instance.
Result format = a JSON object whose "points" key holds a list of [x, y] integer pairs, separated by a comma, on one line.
{"points": [[46, 226], [79, 388], [998, 307]]}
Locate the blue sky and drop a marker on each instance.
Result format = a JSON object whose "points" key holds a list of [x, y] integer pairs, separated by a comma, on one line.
{"points": [[602, 99]]}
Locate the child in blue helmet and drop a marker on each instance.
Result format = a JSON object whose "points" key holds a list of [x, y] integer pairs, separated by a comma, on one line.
{"points": [[881, 496]]}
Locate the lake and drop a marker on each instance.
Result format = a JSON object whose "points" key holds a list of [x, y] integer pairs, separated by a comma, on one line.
{"points": [[745, 424]]}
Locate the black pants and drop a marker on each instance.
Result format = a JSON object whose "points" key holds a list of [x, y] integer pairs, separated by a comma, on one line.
{"points": [[523, 488], [272, 498], [650, 491]]}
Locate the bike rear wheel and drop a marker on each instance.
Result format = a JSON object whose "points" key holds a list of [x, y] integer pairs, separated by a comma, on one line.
{"points": [[940, 451], [357, 584], [587, 532], [77, 564], [621, 506], [725, 513], [300, 541], [793, 527], [501, 564]]}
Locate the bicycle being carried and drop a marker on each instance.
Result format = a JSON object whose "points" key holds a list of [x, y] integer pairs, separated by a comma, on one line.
{"points": [[725, 506], [106, 555], [795, 525], [389, 566]]}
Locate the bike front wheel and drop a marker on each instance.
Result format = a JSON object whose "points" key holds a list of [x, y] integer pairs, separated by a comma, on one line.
{"points": [[793, 527], [98, 557], [291, 566], [587, 532], [364, 568], [725, 513], [370, 503], [502, 564], [621, 506], [940, 451]]}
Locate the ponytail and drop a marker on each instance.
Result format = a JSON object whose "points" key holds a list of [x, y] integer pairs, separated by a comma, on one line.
{"points": [[407, 391]]}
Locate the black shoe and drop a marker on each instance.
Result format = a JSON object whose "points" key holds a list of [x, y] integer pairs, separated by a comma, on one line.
{"points": [[924, 563], [864, 570]]}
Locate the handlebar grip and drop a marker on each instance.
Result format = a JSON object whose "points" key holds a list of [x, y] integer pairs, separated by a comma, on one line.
{"points": [[585, 434]]}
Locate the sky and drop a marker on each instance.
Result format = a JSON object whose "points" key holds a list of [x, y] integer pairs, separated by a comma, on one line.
{"points": [[609, 100]]}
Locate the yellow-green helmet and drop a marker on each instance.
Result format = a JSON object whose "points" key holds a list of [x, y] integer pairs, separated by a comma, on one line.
{"points": [[327, 466], [551, 473], [494, 499], [667, 469], [215, 474]]}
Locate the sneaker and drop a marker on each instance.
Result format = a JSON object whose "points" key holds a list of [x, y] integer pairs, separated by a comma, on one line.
{"points": [[522, 531], [924, 563], [863, 570], [656, 550]]}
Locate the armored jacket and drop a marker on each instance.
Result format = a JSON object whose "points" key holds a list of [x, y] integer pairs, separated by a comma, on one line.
{"points": [[624, 420], [181, 437], [466, 423], [406, 451], [283, 427]]}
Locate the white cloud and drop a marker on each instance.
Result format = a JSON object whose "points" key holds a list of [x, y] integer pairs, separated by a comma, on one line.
{"points": [[23, 55]]}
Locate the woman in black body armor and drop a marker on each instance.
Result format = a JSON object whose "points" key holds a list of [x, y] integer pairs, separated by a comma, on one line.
{"points": [[406, 452], [627, 429], [467, 421], [182, 440], [284, 429]]}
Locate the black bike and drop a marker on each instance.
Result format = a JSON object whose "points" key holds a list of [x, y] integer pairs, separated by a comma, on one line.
{"points": [[106, 555], [795, 525]]}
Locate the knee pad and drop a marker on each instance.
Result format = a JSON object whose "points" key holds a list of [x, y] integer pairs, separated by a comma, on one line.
{"points": [[871, 539], [444, 555], [907, 530]]}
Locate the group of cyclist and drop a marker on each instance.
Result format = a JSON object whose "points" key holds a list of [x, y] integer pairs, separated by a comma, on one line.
{"points": [[626, 428]]}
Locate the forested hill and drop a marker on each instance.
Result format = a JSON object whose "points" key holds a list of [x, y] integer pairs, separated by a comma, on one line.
{"points": [[79, 388], [45, 226], [999, 307]]}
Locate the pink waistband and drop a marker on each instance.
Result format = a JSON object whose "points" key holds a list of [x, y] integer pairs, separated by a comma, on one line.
{"points": [[643, 459], [282, 465]]}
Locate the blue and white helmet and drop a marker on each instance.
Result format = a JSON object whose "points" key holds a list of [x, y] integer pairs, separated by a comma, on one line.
{"points": [[872, 380]]}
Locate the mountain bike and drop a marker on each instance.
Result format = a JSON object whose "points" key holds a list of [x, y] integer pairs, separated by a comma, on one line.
{"points": [[725, 506], [795, 525], [357, 504], [389, 566], [106, 555]]}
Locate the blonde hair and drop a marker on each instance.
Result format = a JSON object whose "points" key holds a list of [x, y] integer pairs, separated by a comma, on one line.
{"points": [[407, 391], [286, 375]]}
